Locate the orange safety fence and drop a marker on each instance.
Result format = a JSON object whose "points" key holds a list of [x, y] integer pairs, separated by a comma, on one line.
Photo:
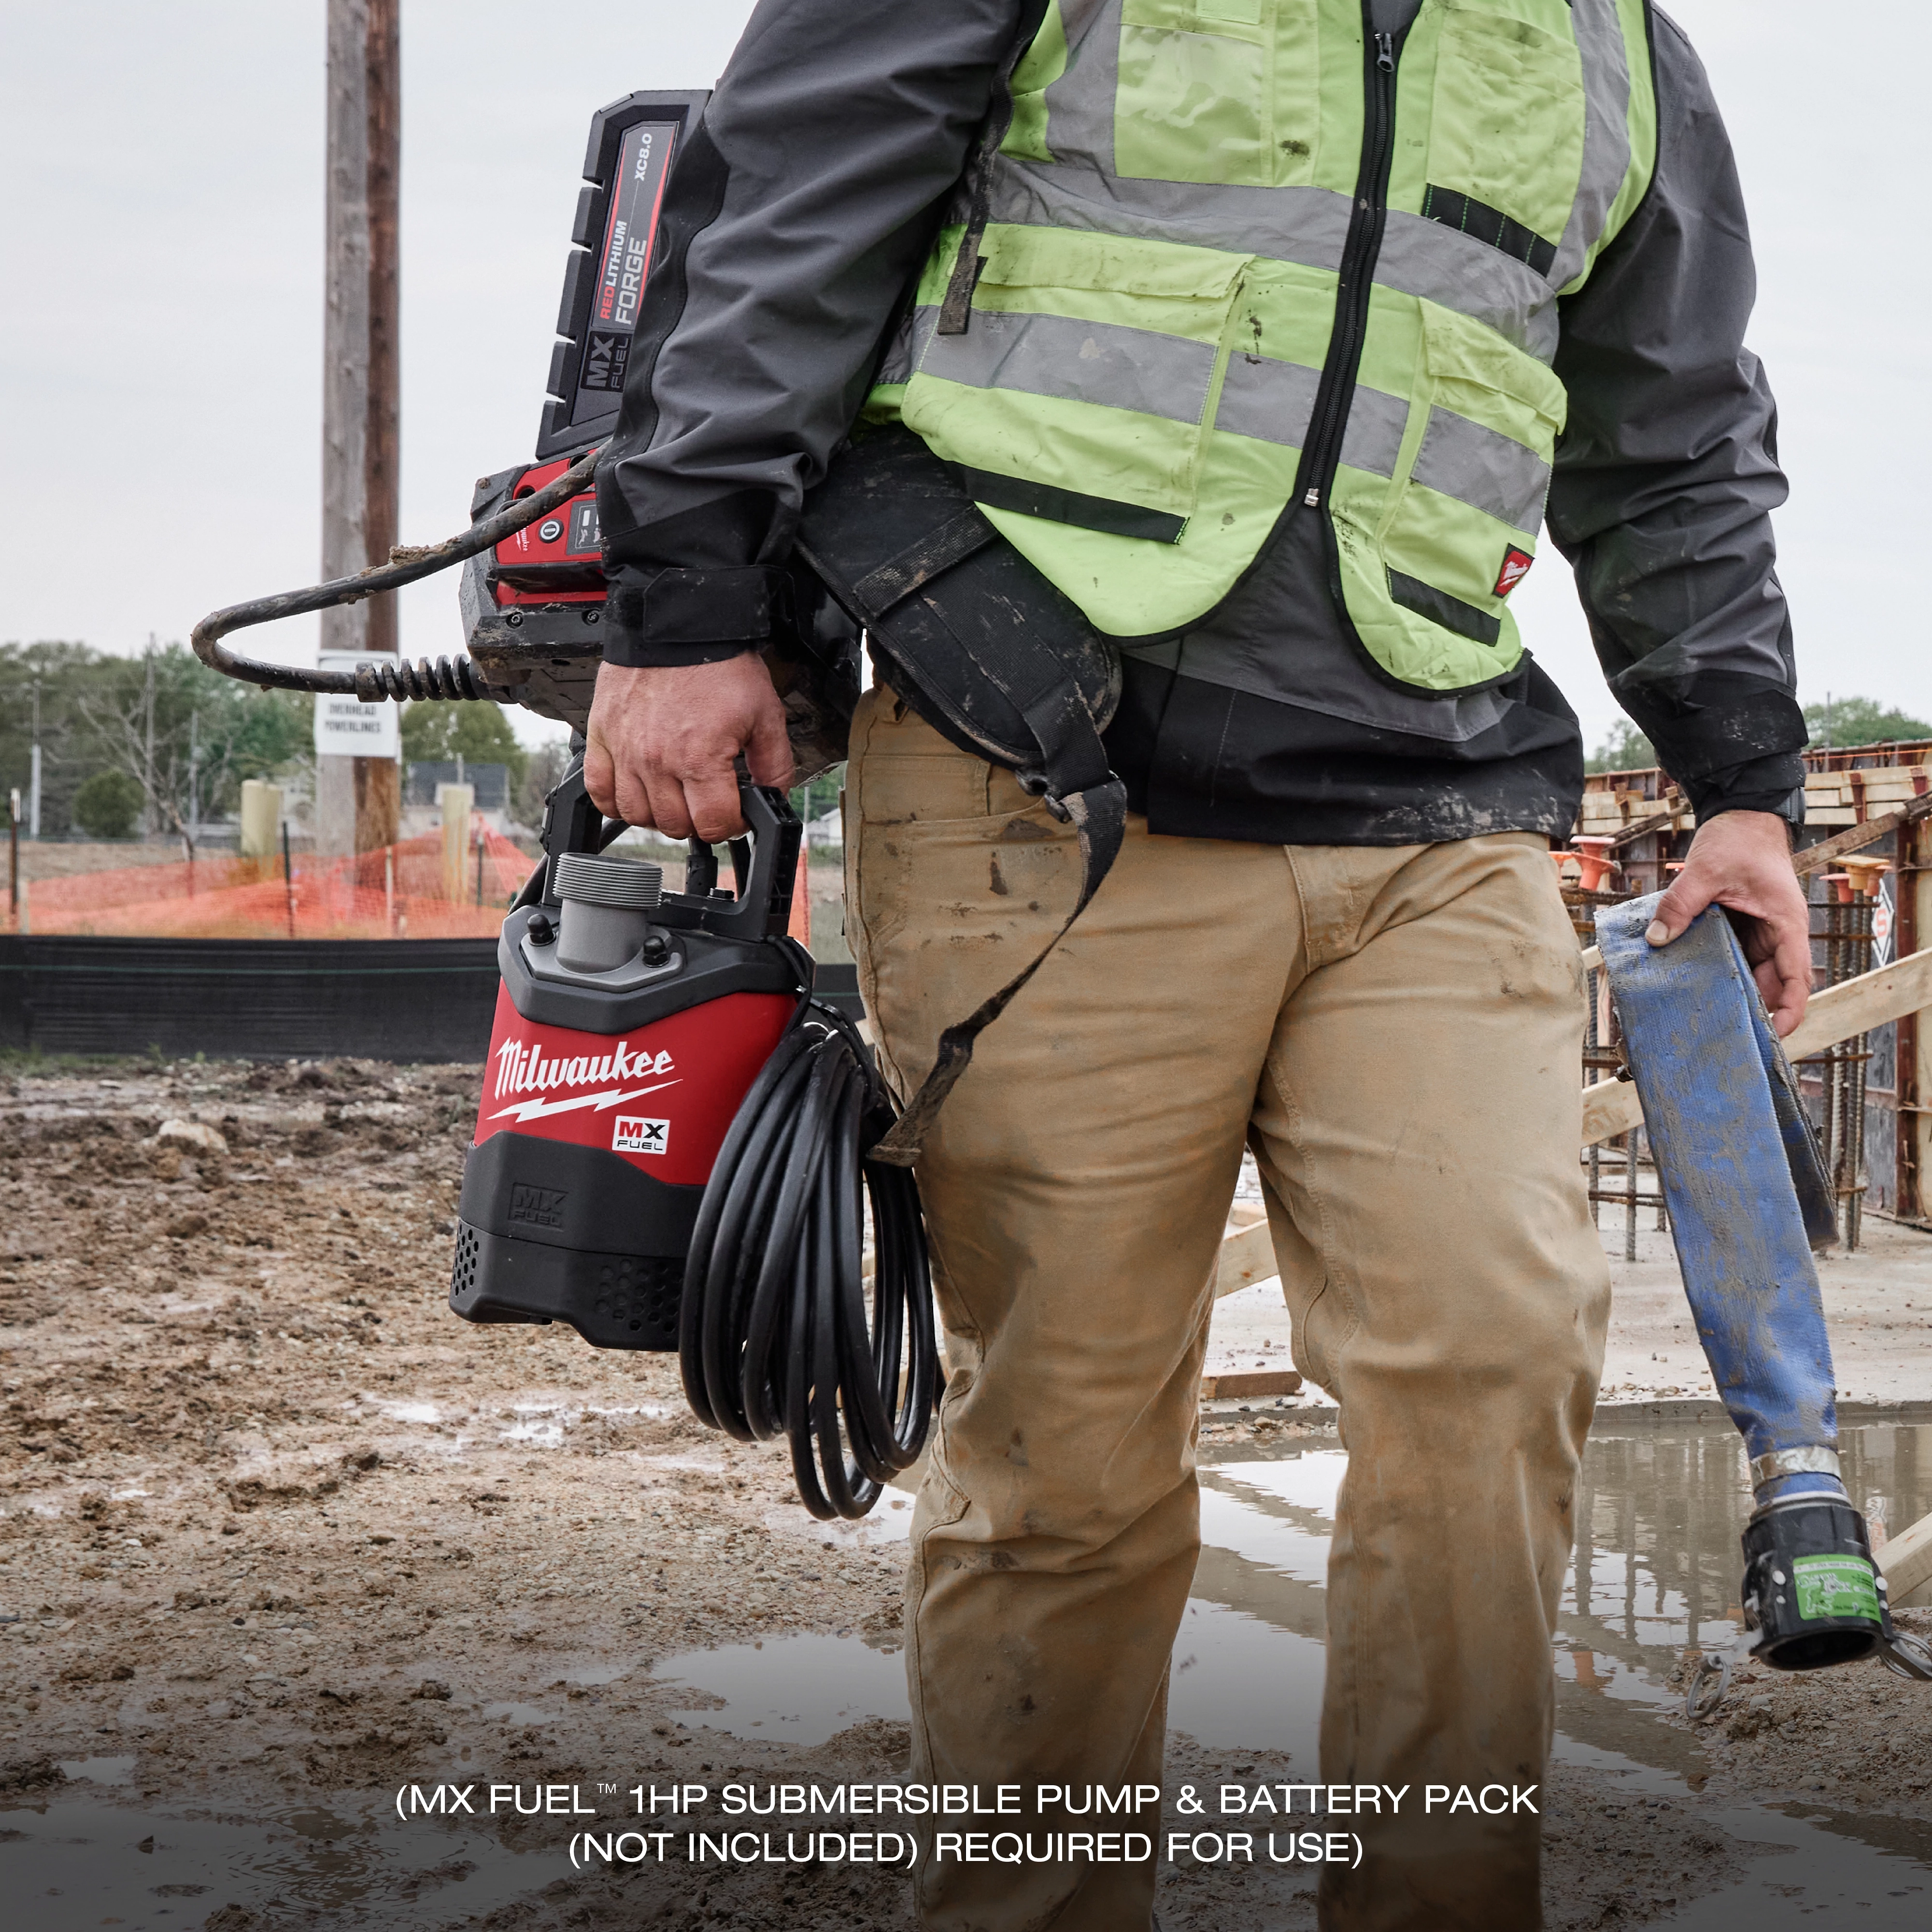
{"points": [[397, 892]]}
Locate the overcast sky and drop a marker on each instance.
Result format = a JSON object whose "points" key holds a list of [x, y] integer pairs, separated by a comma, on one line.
{"points": [[161, 305]]}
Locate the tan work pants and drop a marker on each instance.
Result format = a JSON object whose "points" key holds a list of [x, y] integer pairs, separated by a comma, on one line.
{"points": [[1395, 1031]]}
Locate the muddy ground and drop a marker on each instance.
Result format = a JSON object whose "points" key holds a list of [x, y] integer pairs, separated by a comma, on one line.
{"points": [[274, 1525]]}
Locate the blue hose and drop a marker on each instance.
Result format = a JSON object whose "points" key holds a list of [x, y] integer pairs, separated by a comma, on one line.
{"points": [[1745, 1183]]}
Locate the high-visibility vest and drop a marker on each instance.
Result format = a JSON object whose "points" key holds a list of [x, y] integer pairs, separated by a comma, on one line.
{"points": [[1234, 257]]}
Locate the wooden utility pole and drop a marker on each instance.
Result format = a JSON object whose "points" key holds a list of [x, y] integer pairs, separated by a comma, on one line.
{"points": [[358, 800]]}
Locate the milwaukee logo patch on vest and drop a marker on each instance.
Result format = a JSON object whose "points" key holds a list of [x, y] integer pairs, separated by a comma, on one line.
{"points": [[1233, 261]]}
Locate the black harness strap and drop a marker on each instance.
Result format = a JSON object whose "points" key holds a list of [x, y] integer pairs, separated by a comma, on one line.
{"points": [[1073, 777], [939, 550]]}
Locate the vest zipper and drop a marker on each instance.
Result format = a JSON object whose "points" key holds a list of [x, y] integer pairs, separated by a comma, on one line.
{"points": [[1355, 279]]}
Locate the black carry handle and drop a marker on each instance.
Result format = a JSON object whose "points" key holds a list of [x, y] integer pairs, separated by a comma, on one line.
{"points": [[764, 864]]}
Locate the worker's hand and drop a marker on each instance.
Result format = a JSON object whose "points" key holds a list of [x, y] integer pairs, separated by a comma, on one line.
{"points": [[660, 743], [1742, 860]]}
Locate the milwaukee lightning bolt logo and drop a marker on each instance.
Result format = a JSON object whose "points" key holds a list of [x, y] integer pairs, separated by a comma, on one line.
{"points": [[1516, 568], [522, 1068]]}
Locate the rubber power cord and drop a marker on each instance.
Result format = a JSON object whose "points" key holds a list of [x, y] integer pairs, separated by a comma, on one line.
{"points": [[774, 1337]]}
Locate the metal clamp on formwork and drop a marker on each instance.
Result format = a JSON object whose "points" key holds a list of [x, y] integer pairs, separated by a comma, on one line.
{"points": [[1749, 1198]]}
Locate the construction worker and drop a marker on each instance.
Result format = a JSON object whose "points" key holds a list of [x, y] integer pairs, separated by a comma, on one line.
{"points": [[1270, 332]]}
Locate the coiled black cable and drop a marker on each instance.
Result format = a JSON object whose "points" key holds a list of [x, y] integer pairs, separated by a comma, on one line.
{"points": [[774, 1336]]}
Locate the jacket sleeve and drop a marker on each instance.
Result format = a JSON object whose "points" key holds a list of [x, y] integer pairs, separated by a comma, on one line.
{"points": [[792, 222], [1667, 472]]}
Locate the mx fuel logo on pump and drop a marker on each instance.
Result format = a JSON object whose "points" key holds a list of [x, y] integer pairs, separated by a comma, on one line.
{"points": [[542, 1205], [634, 1136]]}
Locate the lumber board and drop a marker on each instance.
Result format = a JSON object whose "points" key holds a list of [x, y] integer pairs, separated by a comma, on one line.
{"points": [[1819, 857], [1906, 1561], [1247, 1256], [1259, 1381], [1611, 1107]]}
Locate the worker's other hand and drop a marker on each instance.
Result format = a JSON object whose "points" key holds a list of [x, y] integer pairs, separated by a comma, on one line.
{"points": [[1742, 860], [661, 741]]}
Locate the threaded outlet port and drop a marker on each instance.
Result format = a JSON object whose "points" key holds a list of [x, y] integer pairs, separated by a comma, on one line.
{"points": [[583, 881]]}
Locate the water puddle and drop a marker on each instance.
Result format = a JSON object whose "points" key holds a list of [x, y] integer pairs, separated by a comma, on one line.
{"points": [[518, 1714], [1656, 1571], [100, 1770], [791, 1690], [544, 1425], [68, 1865]]}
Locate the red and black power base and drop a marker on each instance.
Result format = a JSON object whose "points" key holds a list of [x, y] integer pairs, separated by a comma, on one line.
{"points": [[620, 1056]]}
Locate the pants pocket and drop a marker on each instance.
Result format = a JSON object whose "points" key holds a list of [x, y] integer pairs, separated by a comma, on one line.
{"points": [[952, 873]]}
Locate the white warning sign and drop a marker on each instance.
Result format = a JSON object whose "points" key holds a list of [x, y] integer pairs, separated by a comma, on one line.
{"points": [[345, 727]]}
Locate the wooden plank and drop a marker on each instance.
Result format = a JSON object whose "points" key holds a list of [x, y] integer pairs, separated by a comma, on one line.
{"points": [[1858, 1005], [1247, 1256], [1906, 1560], [1611, 1107], [1822, 856], [1674, 808], [1260, 1381]]}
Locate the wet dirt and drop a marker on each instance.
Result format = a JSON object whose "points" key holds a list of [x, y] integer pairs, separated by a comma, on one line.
{"points": [[279, 1535]]}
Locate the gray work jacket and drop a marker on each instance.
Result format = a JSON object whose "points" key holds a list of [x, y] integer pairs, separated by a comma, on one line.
{"points": [[806, 203]]}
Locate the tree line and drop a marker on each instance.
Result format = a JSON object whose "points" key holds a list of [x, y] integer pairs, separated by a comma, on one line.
{"points": [[1841, 724], [158, 743]]}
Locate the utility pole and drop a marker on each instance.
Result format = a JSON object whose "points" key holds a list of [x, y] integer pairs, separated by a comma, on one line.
{"points": [[34, 772], [358, 800]]}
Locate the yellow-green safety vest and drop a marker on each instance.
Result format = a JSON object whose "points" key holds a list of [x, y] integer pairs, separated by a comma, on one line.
{"points": [[1234, 256]]}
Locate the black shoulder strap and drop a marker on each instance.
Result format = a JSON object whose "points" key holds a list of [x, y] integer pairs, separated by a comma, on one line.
{"points": [[1073, 775], [987, 651]]}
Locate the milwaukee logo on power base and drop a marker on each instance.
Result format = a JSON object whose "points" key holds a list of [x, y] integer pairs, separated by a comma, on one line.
{"points": [[690, 1069]]}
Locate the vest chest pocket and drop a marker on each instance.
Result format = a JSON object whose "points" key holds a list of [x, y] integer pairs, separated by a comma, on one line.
{"points": [[1086, 375], [1506, 132], [1219, 90]]}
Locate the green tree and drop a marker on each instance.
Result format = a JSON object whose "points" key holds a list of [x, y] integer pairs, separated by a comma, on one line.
{"points": [[478, 733], [106, 805], [548, 764], [1843, 722], [1624, 748], [184, 735]]}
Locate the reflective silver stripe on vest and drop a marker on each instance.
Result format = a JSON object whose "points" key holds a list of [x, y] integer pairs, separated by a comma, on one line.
{"points": [[1306, 225], [1476, 466], [1273, 401], [1080, 104], [895, 365], [1309, 226], [1102, 362], [1606, 93], [1301, 225], [1442, 265]]}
